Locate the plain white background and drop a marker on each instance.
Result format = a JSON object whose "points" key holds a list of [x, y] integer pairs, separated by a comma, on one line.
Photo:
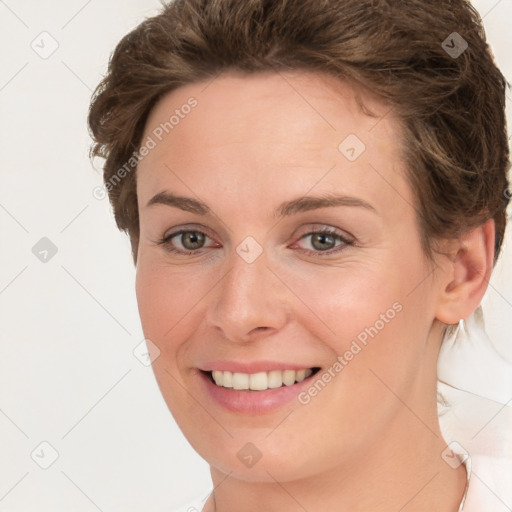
{"points": [[69, 326]]}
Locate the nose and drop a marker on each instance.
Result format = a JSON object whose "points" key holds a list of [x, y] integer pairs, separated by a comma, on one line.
{"points": [[249, 301]]}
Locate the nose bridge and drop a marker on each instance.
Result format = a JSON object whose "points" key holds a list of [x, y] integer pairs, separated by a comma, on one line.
{"points": [[249, 297]]}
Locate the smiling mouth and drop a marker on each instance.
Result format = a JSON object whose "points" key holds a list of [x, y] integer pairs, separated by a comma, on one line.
{"points": [[260, 381]]}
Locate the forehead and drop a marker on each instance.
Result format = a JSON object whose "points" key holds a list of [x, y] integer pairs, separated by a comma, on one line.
{"points": [[304, 104], [253, 131]]}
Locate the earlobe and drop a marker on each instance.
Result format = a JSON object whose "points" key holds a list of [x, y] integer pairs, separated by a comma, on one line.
{"points": [[467, 274]]}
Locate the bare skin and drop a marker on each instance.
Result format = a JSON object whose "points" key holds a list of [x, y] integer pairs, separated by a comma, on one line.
{"points": [[370, 440]]}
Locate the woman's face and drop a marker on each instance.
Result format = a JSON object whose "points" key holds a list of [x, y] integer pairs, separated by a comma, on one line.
{"points": [[249, 283]]}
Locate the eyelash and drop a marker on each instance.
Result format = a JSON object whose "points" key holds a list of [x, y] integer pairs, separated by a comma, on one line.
{"points": [[165, 241]]}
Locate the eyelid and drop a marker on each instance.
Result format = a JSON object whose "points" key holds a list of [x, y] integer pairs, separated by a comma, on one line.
{"points": [[346, 240], [187, 227], [165, 240], [319, 228]]}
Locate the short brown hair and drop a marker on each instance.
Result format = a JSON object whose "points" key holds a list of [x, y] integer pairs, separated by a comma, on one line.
{"points": [[449, 98]]}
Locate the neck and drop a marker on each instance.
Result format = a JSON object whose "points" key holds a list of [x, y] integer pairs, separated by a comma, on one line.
{"points": [[403, 470], [413, 478]]}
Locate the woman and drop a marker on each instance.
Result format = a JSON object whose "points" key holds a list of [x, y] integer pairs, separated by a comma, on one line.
{"points": [[314, 192]]}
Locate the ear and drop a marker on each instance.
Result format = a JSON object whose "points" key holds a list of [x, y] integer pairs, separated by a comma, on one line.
{"points": [[466, 275]]}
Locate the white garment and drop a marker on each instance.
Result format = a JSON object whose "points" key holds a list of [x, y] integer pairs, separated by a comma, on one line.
{"points": [[475, 414], [470, 362], [475, 411], [468, 431]]}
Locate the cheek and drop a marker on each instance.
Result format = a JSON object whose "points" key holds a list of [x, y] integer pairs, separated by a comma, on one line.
{"points": [[167, 300], [346, 300], [333, 307], [163, 301], [378, 315], [337, 304]]}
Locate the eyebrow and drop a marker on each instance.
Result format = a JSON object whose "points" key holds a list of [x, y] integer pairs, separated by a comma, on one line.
{"points": [[287, 208]]}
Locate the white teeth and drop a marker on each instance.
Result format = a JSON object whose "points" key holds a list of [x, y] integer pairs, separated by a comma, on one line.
{"points": [[218, 377], [227, 380], [260, 381], [240, 381], [301, 375], [275, 379], [289, 377]]}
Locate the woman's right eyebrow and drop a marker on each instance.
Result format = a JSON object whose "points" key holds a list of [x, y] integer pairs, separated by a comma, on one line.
{"points": [[287, 208], [187, 204]]}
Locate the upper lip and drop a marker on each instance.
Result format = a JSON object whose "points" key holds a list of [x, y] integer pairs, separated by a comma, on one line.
{"points": [[251, 367]]}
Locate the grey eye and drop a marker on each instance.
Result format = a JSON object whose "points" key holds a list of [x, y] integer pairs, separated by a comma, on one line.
{"points": [[322, 241], [192, 239]]}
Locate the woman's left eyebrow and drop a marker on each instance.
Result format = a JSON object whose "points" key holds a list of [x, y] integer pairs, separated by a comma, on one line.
{"points": [[306, 203], [287, 208]]}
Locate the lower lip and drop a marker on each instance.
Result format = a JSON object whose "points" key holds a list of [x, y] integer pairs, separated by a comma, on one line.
{"points": [[254, 402]]}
